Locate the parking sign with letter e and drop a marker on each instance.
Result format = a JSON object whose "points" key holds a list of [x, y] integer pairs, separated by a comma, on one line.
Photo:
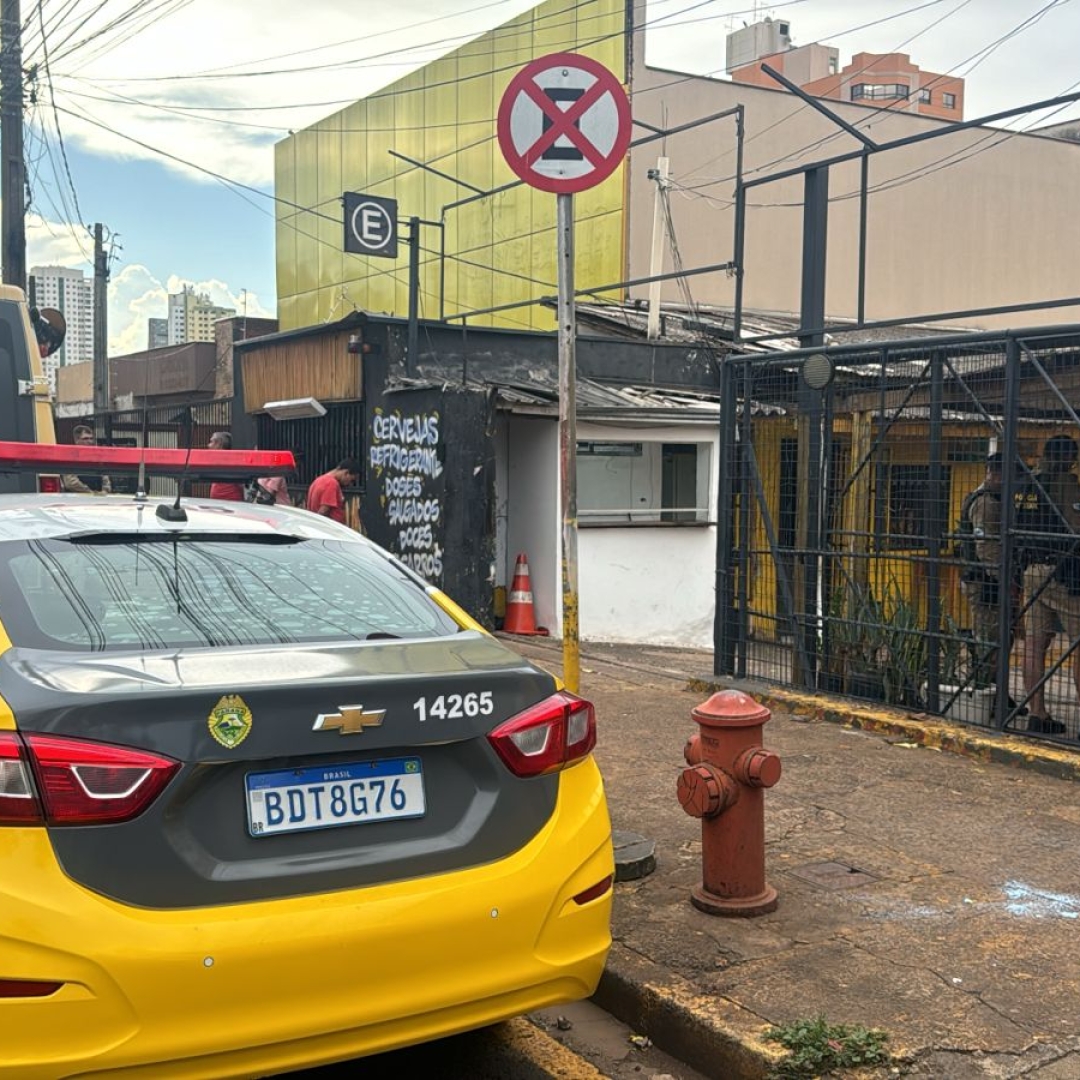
{"points": [[370, 225]]}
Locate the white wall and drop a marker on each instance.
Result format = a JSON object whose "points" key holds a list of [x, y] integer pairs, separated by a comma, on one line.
{"points": [[653, 583], [650, 585], [971, 220], [533, 519]]}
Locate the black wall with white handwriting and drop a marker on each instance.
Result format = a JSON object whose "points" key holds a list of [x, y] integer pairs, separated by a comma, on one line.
{"points": [[430, 488]]}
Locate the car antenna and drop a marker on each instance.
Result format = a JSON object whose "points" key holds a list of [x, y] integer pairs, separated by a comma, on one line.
{"points": [[175, 513]]}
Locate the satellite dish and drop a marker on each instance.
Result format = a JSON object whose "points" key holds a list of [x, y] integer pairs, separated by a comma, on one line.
{"points": [[50, 328]]}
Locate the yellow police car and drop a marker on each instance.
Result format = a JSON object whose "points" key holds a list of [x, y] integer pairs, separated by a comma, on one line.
{"points": [[268, 800]]}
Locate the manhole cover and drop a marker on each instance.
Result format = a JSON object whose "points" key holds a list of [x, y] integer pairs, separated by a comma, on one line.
{"points": [[833, 875]]}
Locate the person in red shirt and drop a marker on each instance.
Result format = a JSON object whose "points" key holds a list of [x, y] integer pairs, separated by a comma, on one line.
{"points": [[222, 440], [326, 497]]}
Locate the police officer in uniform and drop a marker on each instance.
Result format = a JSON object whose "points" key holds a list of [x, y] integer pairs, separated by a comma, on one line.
{"points": [[1048, 517]]}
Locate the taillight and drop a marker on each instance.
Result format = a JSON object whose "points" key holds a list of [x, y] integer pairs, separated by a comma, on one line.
{"points": [[18, 802], [77, 782], [48, 485], [546, 736]]}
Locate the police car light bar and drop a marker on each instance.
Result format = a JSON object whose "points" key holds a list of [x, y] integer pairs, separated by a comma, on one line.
{"points": [[121, 460]]}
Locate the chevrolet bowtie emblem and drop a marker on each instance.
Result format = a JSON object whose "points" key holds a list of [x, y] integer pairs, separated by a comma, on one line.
{"points": [[351, 720]]}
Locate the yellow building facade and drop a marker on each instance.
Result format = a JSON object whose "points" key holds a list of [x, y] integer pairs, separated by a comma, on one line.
{"points": [[500, 249]]}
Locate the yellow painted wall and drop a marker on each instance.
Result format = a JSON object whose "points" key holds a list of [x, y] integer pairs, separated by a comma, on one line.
{"points": [[500, 249]]}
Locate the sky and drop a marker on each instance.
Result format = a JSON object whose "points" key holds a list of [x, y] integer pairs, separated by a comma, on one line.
{"points": [[158, 118]]}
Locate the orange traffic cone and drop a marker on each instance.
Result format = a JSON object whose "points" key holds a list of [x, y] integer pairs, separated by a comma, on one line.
{"points": [[519, 609]]}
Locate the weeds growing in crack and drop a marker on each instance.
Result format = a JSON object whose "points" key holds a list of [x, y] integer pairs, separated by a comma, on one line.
{"points": [[817, 1048]]}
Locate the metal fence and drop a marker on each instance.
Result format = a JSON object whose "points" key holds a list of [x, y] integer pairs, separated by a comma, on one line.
{"points": [[845, 563], [172, 427], [317, 444]]}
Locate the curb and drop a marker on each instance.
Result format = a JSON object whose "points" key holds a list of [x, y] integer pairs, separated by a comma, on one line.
{"points": [[710, 1034], [988, 747]]}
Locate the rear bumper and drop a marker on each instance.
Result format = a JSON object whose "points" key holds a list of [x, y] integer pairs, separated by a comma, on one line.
{"points": [[231, 992]]}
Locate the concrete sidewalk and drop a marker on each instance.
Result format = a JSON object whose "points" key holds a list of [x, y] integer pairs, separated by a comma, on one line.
{"points": [[932, 894]]}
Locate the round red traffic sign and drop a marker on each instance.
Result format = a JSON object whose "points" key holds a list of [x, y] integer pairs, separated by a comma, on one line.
{"points": [[564, 123]]}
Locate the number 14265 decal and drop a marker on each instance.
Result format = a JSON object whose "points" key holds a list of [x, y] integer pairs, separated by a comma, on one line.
{"points": [[454, 706]]}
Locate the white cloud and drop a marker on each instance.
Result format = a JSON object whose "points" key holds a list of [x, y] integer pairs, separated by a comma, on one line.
{"points": [[287, 65], [223, 295], [327, 53], [136, 295], [51, 244]]}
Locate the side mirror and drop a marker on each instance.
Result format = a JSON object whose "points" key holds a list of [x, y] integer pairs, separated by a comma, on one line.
{"points": [[50, 328]]}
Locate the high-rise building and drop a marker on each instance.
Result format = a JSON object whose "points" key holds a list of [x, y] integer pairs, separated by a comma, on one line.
{"points": [[157, 333], [757, 40], [192, 316], [71, 293], [881, 80]]}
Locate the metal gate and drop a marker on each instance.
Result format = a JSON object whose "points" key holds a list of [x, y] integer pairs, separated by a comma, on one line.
{"points": [[842, 564]]}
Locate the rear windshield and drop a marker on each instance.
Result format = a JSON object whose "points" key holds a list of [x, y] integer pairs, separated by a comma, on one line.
{"points": [[191, 592]]}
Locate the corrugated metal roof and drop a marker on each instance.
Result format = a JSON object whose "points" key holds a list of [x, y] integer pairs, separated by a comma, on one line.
{"points": [[597, 398]]}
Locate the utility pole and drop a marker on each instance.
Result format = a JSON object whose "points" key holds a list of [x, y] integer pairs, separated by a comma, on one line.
{"points": [[13, 181], [656, 261], [101, 327]]}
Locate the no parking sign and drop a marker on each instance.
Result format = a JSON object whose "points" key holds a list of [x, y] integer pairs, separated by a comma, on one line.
{"points": [[564, 123]]}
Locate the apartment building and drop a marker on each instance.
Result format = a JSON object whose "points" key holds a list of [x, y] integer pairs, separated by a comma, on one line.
{"points": [[879, 80], [192, 316]]}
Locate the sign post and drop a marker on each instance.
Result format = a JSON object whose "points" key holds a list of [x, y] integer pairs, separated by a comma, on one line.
{"points": [[564, 126]]}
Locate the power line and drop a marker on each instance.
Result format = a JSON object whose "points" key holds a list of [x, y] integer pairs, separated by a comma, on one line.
{"points": [[876, 114], [517, 31], [56, 115]]}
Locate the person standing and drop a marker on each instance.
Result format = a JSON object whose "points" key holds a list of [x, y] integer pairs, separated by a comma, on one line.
{"points": [[270, 491], [231, 492], [87, 485], [326, 495], [1048, 518], [980, 580]]}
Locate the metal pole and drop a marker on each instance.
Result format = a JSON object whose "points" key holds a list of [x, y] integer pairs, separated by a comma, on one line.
{"points": [[739, 241], [568, 443], [1010, 456], [656, 260], [810, 465], [13, 187], [101, 351], [411, 366], [936, 521], [723, 614], [863, 183]]}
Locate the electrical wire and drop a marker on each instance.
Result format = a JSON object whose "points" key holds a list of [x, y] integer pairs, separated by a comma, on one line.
{"points": [[523, 32], [876, 114], [56, 115]]}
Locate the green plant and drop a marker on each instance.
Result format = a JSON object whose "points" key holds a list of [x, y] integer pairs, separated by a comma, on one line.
{"points": [[817, 1048], [880, 636], [952, 652]]}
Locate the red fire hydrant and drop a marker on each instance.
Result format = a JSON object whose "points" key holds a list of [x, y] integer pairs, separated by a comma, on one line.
{"points": [[728, 767]]}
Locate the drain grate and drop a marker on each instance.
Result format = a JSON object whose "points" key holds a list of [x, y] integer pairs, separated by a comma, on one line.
{"points": [[833, 875]]}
